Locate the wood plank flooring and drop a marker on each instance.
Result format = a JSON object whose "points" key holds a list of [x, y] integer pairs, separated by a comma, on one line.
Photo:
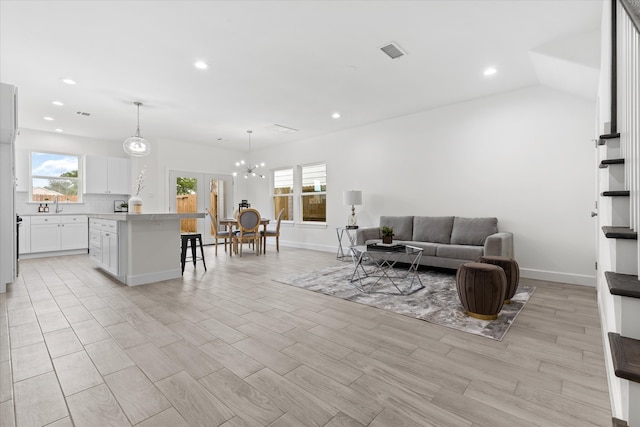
{"points": [[232, 347]]}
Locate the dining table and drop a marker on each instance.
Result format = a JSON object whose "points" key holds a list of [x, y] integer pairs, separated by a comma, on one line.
{"points": [[230, 223]]}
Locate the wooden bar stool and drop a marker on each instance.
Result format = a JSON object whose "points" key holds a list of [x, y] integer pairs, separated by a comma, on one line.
{"points": [[191, 240]]}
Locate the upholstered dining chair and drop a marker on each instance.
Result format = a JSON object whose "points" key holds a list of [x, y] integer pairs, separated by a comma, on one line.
{"points": [[217, 234], [248, 229], [272, 233]]}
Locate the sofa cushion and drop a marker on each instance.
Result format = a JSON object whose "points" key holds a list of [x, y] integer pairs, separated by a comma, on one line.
{"points": [[472, 231], [402, 226], [435, 229], [428, 248], [459, 251]]}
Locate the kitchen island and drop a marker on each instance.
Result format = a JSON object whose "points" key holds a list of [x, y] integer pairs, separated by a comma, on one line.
{"points": [[137, 248]]}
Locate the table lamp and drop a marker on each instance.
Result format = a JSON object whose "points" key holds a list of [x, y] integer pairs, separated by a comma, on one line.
{"points": [[353, 198]]}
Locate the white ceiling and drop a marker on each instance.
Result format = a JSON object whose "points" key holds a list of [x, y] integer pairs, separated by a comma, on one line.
{"points": [[291, 63]]}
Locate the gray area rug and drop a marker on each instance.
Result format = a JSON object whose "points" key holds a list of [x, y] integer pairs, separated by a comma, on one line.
{"points": [[437, 302]]}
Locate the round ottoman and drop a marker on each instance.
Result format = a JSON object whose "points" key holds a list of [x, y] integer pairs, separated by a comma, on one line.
{"points": [[481, 289], [511, 269]]}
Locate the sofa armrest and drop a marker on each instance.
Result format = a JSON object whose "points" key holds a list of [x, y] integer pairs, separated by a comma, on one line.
{"points": [[499, 244], [364, 234]]}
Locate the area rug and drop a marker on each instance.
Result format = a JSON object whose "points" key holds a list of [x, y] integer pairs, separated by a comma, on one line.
{"points": [[436, 303]]}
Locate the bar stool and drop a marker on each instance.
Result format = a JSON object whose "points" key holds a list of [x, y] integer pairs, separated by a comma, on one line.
{"points": [[191, 240]]}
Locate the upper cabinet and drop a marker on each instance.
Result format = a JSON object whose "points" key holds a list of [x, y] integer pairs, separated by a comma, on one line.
{"points": [[107, 175]]}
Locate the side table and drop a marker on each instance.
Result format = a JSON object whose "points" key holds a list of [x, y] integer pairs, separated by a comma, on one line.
{"points": [[351, 234]]}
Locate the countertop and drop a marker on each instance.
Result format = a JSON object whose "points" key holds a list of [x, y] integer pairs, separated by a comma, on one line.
{"points": [[145, 216]]}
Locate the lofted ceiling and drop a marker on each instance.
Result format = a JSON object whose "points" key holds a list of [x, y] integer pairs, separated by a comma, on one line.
{"points": [[291, 63]]}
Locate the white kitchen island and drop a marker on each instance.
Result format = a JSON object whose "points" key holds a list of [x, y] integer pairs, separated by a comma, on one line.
{"points": [[137, 248]]}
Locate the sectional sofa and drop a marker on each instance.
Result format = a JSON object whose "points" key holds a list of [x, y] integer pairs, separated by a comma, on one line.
{"points": [[446, 241]]}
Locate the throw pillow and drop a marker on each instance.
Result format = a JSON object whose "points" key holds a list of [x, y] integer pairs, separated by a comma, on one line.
{"points": [[472, 231], [434, 229]]}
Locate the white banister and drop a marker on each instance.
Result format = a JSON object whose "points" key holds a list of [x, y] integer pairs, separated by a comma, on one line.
{"points": [[628, 107]]}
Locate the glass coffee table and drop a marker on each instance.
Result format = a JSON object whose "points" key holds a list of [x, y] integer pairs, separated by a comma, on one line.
{"points": [[379, 266]]}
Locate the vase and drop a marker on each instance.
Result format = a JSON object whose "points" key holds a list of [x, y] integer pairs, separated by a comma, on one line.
{"points": [[387, 240], [135, 205]]}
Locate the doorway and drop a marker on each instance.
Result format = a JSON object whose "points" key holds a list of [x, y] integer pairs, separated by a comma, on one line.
{"points": [[194, 192]]}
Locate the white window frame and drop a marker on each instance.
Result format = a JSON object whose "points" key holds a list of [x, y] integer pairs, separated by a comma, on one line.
{"points": [[300, 194], [79, 179], [290, 195]]}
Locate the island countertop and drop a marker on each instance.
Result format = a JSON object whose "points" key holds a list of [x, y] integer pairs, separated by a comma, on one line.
{"points": [[159, 216]]}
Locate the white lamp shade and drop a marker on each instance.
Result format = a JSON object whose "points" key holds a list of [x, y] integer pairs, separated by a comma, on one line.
{"points": [[352, 198], [136, 146]]}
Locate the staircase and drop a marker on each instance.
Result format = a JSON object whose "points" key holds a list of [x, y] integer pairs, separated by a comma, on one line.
{"points": [[618, 284], [618, 208]]}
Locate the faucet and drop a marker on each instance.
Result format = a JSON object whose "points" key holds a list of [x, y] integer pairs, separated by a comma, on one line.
{"points": [[55, 200]]}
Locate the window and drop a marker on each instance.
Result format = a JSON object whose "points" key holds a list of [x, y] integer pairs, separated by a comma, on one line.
{"points": [[314, 192], [283, 193], [55, 175]]}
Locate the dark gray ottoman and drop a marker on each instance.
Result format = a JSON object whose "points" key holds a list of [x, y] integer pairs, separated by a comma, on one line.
{"points": [[481, 288], [511, 269]]}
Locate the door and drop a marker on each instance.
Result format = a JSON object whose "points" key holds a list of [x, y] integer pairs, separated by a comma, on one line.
{"points": [[194, 192]]}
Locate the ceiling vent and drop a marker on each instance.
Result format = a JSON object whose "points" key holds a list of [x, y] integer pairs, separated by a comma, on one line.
{"points": [[392, 50], [282, 128], [82, 113]]}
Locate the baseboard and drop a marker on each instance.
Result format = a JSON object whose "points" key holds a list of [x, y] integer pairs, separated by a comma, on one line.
{"points": [[556, 276], [310, 246], [32, 255], [142, 279]]}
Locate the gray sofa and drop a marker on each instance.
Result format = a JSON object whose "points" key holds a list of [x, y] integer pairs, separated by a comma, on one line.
{"points": [[446, 241]]}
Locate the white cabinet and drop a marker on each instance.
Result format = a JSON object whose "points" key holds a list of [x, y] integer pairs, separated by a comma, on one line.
{"points": [[107, 175], [51, 233], [103, 244]]}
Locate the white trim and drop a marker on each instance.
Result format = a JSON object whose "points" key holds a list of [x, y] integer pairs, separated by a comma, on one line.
{"points": [[31, 255], [141, 279], [556, 276]]}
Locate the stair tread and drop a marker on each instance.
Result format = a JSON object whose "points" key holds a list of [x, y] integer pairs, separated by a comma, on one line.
{"points": [[610, 136], [626, 285], [619, 423], [613, 232], [616, 193], [605, 163], [626, 357]]}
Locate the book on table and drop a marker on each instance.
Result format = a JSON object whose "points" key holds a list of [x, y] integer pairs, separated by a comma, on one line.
{"points": [[386, 247]]}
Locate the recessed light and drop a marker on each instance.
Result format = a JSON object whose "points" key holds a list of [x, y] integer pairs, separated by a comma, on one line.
{"points": [[490, 71], [201, 65], [58, 103], [68, 81], [50, 119], [59, 130], [336, 115]]}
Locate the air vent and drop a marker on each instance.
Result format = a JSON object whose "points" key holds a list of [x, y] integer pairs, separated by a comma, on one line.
{"points": [[392, 50], [82, 113], [282, 128]]}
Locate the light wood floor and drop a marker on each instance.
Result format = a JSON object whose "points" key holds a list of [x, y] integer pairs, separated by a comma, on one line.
{"points": [[232, 347]]}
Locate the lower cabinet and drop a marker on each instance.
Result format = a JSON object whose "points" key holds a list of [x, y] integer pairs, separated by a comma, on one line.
{"points": [[50, 233], [103, 244]]}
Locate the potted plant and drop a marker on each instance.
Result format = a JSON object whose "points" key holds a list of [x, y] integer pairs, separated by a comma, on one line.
{"points": [[387, 234]]}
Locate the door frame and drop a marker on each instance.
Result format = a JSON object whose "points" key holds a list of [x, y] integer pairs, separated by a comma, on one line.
{"points": [[204, 179]]}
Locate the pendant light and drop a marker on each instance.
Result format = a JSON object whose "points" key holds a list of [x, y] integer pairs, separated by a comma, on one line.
{"points": [[137, 146], [247, 170]]}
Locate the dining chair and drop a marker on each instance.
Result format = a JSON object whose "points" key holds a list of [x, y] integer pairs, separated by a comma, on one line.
{"points": [[272, 233], [248, 229], [217, 234]]}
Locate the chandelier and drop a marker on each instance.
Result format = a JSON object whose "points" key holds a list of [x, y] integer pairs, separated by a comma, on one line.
{"points": [[137, 146], [248, 170]]}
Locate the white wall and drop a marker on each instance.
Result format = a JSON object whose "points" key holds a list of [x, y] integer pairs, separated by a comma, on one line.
{"points": [[525, 157]]}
